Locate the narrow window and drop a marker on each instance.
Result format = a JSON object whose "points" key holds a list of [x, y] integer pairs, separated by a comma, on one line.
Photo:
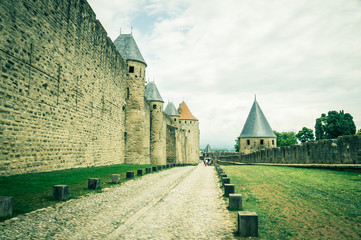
{"points": [[131, 69], [261, 141], [128, 93], [189, 131], [175, 119], [154, 106], [248, 142], [273, 142]]}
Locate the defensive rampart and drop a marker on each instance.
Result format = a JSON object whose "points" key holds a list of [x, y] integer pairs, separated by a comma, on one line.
{"points": [[343, 150], [62, 89]]}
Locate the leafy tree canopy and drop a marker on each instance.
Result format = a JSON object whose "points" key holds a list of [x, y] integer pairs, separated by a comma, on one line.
{"points": [[334, 124], [236, 146], [305, 135], [358, 132], [285, 138]]}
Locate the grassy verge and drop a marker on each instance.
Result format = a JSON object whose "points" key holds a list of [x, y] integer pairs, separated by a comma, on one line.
{"points": [[294, 203], [34, 191]]}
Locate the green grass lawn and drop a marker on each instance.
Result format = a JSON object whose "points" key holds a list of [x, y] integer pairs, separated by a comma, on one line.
{"points": [[34, 191], [295, 203]]}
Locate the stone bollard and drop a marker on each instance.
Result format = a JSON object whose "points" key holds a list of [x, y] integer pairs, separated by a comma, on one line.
{"points": [[6, 206], [235, 201], [167, 166], [228, 188], [115, 178], [148, 170], [222, 175], [226, 180], [163, 166], [130, 174], [60, 192], [248, 224], [159, 168], [93, 183], [154, 169], [140, 172]]}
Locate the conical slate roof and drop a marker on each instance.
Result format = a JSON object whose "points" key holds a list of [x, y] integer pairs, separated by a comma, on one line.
{"points": [[127, 47], [256, 124], [185, 113], [170, 110], [152, 93], [208, 149]]}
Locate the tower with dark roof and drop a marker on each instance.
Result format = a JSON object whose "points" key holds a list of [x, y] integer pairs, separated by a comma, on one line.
{"points": [[257, 134], [157, 128], [134, 96]]}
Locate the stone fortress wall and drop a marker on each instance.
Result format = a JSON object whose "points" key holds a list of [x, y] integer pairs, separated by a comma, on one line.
{"points": [[343, 150], [64, 91]]}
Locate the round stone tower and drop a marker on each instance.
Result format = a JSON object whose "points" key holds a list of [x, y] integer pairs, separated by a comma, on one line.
{"points": [[134, 95], [157, 126]]}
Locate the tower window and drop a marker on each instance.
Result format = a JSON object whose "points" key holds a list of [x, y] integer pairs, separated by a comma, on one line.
{"points": [[154, 106], [131, 69], [273, 142], [261, 142], [175, 119], [128, 93], [248, 142]]}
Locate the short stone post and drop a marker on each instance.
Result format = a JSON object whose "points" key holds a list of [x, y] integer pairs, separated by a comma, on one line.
{"points": [[148, 170], [226, 180], [235, 201], [140, 172], [248, 224], [159, 168], [115, 178], [222, 175], [6, 206], [130, 174], [93, 183], [228, 188], [154, 169], [60, 192], [163, 166]]}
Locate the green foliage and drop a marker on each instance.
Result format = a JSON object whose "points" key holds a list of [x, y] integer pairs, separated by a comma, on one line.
{"points": [[334, 124], [358, 132], [293, 203], [236, 146], [285, 138], [305, 135]]}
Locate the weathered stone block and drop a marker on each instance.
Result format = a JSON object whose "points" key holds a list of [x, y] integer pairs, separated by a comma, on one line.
{"points": [[226, 180], [130, 174], [148, 170], [93, 183], [115, 178], [6, 206], [140, 172], [60, 192], [159, 168], [228, 188], [154, 169], [222, 175], [248, 224], [235, 201]]}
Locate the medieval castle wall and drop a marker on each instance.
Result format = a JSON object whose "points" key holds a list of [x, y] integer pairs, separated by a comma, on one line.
{"points": [[64, 94]]}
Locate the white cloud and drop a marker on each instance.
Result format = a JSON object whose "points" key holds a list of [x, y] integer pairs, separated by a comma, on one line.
{"points": [[300, 57]]}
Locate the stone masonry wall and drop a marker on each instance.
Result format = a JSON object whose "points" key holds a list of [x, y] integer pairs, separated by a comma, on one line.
{"points": [[191, 129], [343, 150], [62, 88]]}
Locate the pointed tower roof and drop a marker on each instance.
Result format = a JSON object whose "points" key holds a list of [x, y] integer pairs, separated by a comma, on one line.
{"points": [[128, 48], [170, 110], [208, 149], [256, 124], [185, 113], [152, 93]]}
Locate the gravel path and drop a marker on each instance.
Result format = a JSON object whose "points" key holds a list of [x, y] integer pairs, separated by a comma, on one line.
{"points": [[180, 203]]}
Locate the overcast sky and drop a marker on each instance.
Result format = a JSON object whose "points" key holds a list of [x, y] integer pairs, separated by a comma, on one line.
{"points": [[301, 57]]}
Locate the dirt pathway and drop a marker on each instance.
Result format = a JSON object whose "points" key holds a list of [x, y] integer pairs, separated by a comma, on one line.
{"points": [[180, 203]]}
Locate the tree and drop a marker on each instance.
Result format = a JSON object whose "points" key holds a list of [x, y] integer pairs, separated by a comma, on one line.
{"points": [[334, 124], [358, 132], [285, 138], [305, 135], [236, 146]]}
